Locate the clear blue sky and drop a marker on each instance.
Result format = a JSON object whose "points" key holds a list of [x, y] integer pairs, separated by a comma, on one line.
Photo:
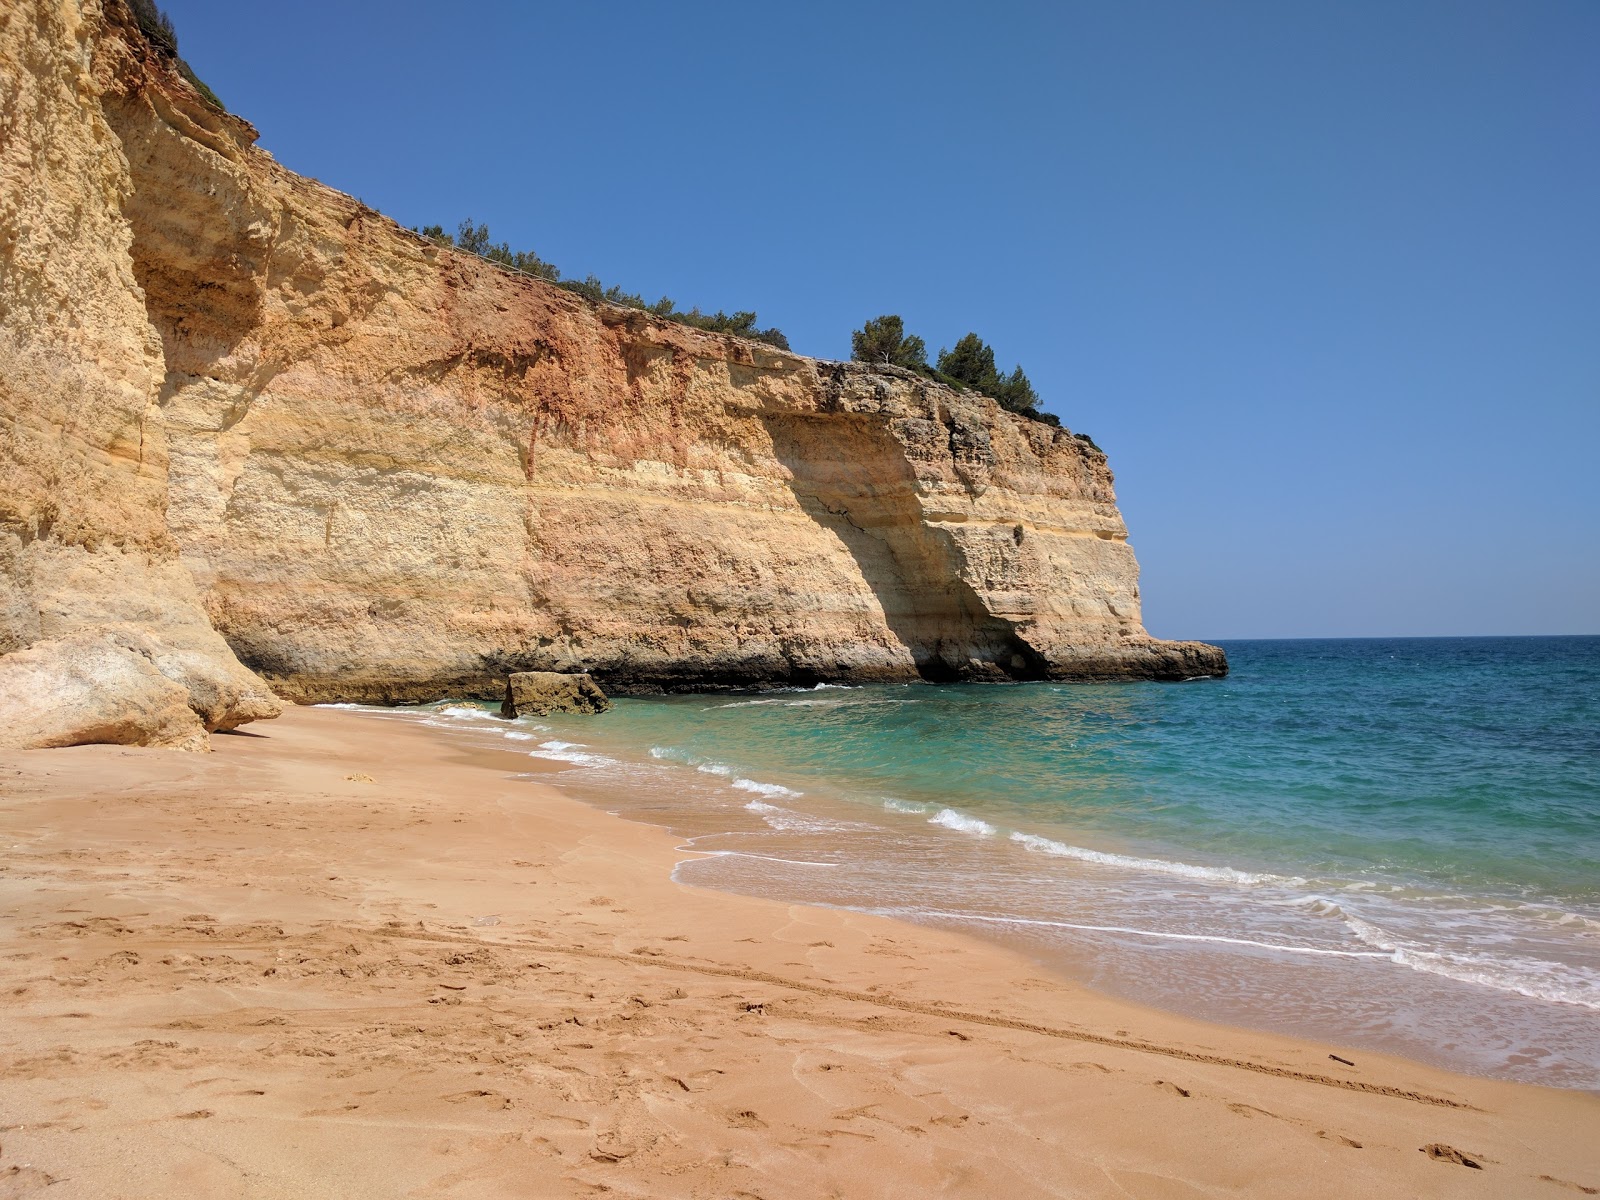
{"points": [[1323, 279]]}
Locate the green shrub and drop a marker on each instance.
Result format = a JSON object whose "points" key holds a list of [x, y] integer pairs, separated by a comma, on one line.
{"points": [[155, 25], [157, 29], [970, 366], [475, 240]]}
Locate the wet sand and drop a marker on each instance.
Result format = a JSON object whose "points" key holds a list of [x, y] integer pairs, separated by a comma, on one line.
{"points": [[345, 957]]}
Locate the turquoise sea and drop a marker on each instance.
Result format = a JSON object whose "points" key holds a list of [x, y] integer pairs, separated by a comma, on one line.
{"points": [[1384, 844]]}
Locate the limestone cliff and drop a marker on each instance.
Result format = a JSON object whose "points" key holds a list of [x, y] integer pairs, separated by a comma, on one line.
{"points": [[389, 471], [120, 647]]}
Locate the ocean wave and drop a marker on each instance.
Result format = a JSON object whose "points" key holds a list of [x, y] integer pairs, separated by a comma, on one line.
{"points": [[706, 766], [1447, 910], [465, 712], [1161, 934], [1043, 845], [778, 693], [904, 806], [786, 820], [764, 789], [1533, 978], [797, 862], [374, 710], [1316, 906], [571, 752], [961, 822]]}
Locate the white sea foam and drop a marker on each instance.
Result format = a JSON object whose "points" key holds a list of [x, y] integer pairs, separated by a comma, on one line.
{"points": [[1316, 906], [786, 820], [571, 752], [1043, 845], [798, 862], [1533, 978], [517, 735], [904, 806], [764, 789], [1159, 934], [674, 754], [375, 710], [463, 712], [951, 819]]}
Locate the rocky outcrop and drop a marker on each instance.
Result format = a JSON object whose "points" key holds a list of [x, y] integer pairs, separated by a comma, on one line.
{"points": [[235, 399], [540, 693], [103, 686], [84, 546]]}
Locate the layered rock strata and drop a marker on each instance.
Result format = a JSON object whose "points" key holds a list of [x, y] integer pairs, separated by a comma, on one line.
{"points": [[90, 581], [238, 402]]}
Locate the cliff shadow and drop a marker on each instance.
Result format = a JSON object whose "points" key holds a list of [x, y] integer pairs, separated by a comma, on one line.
{"points": [[853, 477]]}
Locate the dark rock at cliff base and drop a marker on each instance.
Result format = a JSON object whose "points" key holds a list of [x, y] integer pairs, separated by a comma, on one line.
{"points": [[1153, 660], [540, 693]]}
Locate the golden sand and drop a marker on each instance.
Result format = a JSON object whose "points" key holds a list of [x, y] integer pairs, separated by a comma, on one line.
{"points": [[342, 957]]}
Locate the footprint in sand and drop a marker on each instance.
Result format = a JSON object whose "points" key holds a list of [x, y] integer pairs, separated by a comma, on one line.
{"points": [[1250, 1110], [1172, 1087], [22, 1181], [486, 1098], [1567, 1183], [1340, 1138], [1439, 1152]]}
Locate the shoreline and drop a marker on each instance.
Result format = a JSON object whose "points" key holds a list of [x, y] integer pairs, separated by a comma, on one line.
{"points": [[358, 958], [1377, 961]]}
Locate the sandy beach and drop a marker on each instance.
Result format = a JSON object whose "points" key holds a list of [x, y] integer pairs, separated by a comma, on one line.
{"points": [[343, 957]]}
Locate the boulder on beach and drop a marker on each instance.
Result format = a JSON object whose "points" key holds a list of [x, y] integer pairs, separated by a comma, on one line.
{"points": [[104, 686], [540, 693]]}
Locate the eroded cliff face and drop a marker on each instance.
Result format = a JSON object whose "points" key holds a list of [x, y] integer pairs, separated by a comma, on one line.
{"points": [[389, 471], [119, 645]]}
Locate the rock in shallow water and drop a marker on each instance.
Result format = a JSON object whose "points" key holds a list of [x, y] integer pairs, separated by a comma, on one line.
{"points": [[540, 693]]}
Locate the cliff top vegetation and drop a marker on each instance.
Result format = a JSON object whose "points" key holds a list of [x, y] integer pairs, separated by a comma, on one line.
{"points": [[157, 29], [969, 365], [475, 239]]}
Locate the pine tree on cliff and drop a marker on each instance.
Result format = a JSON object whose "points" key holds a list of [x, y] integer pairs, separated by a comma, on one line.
{"points": [[971, 362], [883, 340]]}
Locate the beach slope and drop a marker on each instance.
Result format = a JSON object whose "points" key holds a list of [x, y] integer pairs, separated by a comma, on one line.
{"points": [[342, 957]]}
